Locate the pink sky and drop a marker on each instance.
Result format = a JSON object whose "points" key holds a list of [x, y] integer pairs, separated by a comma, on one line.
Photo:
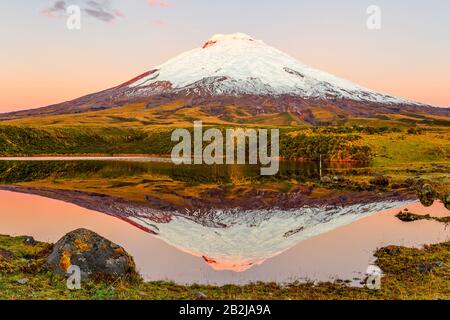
{"points": [[42, 62]]}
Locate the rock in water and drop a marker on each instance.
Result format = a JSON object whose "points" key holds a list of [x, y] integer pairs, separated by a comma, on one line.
{"points": [[96, 256]]}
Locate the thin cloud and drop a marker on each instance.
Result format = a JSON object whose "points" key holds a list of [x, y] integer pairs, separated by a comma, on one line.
{"points": [[98, 9], [59, 7], [119, 14], [158, 3], [156, 23]]}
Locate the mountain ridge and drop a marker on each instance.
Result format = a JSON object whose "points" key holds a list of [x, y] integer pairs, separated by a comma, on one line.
{"points": [[238, 70]]}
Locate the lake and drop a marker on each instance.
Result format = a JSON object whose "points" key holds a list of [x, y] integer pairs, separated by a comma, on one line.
{"points": [[214, 224]]}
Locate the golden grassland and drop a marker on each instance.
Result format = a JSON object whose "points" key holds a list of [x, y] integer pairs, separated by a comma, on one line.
{"points": [[408, 274], [136, 115]]}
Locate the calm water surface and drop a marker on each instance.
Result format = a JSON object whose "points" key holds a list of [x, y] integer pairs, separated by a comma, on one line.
{"points": [[334, 254], [250, 249]]}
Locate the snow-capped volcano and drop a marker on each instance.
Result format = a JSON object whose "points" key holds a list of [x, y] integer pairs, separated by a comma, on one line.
{"points": [[237, 64], [252, 77]]}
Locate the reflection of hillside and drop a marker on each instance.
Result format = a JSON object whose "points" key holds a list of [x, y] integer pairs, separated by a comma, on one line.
{"points": [[233, 239], [20, 171], [164, 186], [177, 185]]}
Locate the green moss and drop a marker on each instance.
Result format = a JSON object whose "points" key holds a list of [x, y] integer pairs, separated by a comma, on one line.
{"points": [[333, 147], [28, 140]]}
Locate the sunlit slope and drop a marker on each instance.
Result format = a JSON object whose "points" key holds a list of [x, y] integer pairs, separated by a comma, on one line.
{"points": [[175, 114]]}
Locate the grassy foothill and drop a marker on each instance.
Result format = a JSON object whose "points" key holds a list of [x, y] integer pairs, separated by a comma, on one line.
{"points": [[389, 140]]}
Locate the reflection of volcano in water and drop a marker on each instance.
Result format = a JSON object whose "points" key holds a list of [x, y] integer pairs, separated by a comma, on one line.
{"points": [[231, 239], [249, 238]]}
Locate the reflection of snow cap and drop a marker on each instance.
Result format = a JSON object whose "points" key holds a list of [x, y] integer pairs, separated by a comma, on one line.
{"points": [[248, 238]]}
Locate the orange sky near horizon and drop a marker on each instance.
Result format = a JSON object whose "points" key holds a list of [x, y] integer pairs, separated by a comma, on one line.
{"points": [[42, 63]]}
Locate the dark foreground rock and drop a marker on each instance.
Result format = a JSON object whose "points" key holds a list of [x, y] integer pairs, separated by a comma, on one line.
{"points": [[96, 256]]}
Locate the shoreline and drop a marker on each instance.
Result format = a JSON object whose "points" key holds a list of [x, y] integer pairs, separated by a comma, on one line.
{"points": [[144, 157], [137, 158], [283, 201]]}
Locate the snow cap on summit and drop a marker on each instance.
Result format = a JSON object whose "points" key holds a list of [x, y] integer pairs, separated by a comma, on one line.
{"points": [[238, 36], [236, 64], [231, 36]]}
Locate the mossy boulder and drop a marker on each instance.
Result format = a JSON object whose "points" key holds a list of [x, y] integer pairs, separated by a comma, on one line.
{"points": [[97, 257]]}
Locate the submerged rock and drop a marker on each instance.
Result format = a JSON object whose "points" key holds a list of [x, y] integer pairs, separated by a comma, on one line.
{"points": [[406, 216], [96, 256]]}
